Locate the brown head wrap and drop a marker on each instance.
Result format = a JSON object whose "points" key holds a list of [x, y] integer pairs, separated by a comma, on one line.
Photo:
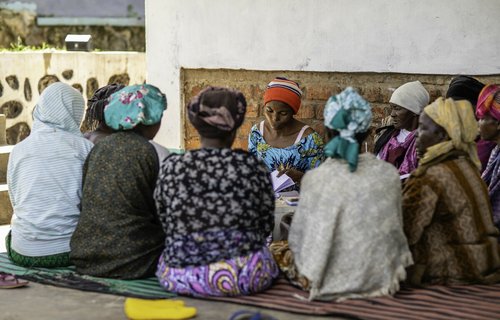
{"points": [[216, 112]]}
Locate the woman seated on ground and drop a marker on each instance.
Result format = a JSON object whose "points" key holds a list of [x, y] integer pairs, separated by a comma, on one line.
{"points": [[44, 176], [119, 234], [281, 141], [94, 118], [468, 88], [488, 113], [346, 236], [397, 142], [446, 211], [216, 207]]}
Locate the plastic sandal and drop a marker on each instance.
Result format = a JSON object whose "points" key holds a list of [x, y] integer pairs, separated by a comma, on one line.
{"points": [[10, 281], [164, 309], [250, 315]]}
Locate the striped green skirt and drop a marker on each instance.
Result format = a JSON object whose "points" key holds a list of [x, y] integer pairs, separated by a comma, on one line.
{"points": [[52, 261]]}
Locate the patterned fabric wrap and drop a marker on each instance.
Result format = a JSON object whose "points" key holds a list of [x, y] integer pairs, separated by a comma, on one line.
{"points": [[217, 111], [491, 176], [304, 155], [60, 106], [214, 204], [349, 114], [50, 261], [407, 160], [284, 259], [457, 118], [134, 105], [489, 102], [242, 275], [284, 90]]}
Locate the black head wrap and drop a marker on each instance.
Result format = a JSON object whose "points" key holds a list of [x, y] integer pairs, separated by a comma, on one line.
{"points": [[94, 115], [216, 112], [464, 88]]}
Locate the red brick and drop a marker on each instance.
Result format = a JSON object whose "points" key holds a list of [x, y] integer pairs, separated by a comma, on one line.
{"points": [[240, 143], [247, 92], [192, 143], [373, 94], [320, 92], [245, 128], [193, 92], [319, 111], [317, 88], [258, 92], [190, 130], [306, 111], [434, 94], [252, 109]]}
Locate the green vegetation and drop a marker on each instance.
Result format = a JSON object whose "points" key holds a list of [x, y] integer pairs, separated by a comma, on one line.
{"points": [[20, 46]]}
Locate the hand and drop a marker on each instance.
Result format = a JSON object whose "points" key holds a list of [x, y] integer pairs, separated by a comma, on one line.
{"points": [[294, 174]]}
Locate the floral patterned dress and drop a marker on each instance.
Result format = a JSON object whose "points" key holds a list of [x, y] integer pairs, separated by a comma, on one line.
{"points": [[306, 153], [216, 207]]}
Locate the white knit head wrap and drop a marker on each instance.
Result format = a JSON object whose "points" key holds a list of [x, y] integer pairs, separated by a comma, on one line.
{"points": [[411, 96]]}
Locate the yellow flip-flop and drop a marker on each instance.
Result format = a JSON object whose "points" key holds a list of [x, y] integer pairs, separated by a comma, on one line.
{"points": [[164, 309]]}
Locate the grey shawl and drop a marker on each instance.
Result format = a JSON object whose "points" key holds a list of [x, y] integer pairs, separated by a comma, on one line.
{"points": [[347, 234]]}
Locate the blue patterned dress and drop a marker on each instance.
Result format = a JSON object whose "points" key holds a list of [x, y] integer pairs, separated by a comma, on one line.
{"points": [[305, 154]]}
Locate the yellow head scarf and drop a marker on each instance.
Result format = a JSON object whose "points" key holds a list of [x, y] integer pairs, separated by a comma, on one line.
{"points": [[457, 118]]}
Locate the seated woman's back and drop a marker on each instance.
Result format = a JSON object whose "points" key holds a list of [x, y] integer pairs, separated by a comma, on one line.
{"points": [[119, 234], [44, 176], [214, 204], [216, 207], [347, 235]]}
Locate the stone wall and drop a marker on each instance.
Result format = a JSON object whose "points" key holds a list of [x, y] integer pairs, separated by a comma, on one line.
{"points": [[25, 74], [317, 88], [22, 25]]}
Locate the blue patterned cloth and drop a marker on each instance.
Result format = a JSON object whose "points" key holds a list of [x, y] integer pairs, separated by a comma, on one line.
{"points": [[134, 105], [304, 155]]}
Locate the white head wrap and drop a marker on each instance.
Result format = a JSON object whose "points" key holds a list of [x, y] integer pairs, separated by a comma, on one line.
{"points": [[411, 96]]}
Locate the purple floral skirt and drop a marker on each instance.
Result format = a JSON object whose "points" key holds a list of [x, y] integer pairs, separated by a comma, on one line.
{"points": [[237, 276]]}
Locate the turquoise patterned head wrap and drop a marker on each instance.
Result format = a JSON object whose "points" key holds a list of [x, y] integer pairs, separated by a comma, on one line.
{"points": [[348, 113], [134, 105]]}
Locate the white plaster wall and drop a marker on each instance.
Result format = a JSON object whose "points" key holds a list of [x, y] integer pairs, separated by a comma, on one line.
{"points": [[85, 65], [407, 36]]}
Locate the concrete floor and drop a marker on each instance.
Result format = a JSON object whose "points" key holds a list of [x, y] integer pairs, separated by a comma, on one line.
{"points": [[42, 302]]}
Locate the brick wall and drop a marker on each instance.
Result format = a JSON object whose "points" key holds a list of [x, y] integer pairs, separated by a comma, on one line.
{"points": [[317, 88]]}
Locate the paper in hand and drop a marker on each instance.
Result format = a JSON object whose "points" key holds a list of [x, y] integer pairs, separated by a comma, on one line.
{"points": [[282, 182]]}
